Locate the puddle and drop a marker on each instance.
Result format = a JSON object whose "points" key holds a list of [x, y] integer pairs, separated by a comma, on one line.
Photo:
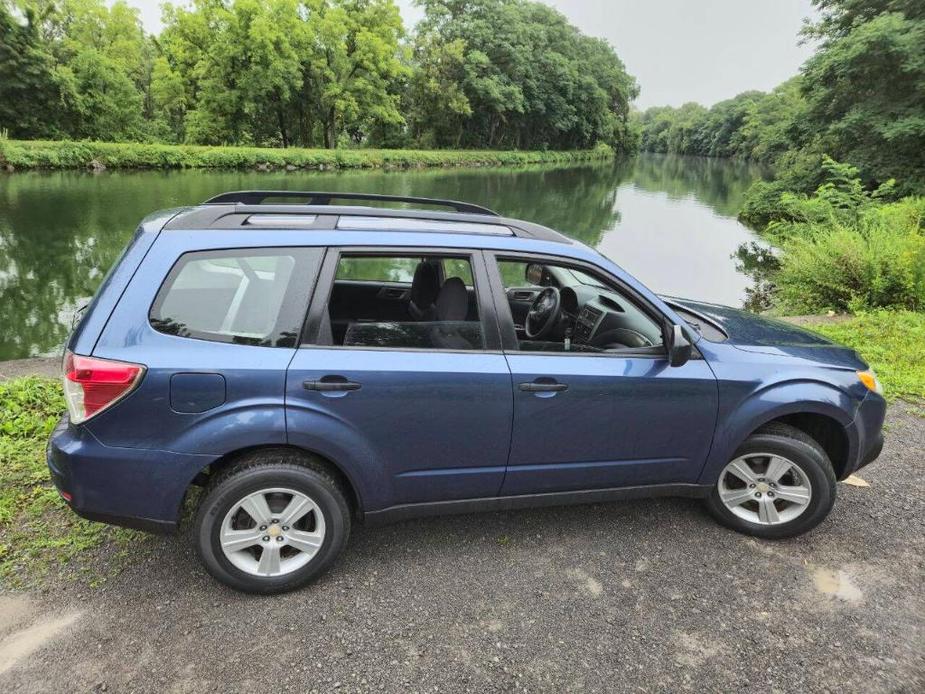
{"points": [[25, 642], [838, 584]]}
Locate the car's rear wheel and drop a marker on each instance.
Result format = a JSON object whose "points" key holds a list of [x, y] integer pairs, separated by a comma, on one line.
{"points": [[780, 483], [271, 523]]}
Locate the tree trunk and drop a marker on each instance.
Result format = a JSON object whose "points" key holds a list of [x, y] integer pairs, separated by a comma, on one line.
{"points": [[330, 131], [282, 126]]}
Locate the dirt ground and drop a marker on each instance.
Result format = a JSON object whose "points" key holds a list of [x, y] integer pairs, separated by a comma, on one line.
{"points": [[636, 596]]}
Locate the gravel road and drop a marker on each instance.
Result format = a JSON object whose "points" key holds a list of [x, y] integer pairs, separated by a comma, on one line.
{"points": [[648, 595]]}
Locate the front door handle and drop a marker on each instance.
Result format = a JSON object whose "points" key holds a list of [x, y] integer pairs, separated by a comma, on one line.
{"points": [[328, 384], [535, 387]]}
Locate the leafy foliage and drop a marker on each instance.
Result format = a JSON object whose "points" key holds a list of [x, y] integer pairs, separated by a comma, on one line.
{"points": [[29, 88], [843, 248], [37, 154], [514, 73], [859, 98], [37, 530], [483, 74], [865, 89], [752, 125]]}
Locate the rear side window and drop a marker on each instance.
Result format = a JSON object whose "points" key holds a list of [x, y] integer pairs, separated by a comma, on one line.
{"points": [[244, 296]]}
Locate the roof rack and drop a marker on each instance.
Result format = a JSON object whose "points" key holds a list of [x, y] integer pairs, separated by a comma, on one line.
{"points": [[257, 197]]}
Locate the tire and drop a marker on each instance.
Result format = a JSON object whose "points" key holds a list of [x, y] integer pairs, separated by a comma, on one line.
{"points": [[279, 478], [811, 468]]}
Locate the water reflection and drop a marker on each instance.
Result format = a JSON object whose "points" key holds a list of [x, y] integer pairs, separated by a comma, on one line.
{"points": [[669, 220]]}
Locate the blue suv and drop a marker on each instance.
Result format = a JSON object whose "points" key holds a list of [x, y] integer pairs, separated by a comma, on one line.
{"points": [[315, 359]]}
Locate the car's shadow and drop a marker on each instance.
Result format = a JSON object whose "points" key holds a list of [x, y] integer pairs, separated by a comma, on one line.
{"points": [[560, 529]]}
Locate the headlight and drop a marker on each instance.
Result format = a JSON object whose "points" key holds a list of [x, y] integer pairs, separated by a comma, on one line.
{"points": [[869, 379]]}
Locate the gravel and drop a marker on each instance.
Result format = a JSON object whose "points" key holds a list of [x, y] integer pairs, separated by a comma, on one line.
{"points": [[647, 595], [36, 366]]}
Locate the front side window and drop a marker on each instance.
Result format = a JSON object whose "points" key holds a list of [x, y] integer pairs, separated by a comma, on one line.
{"points": [[559, 308], [403, 302], [244, 296]]}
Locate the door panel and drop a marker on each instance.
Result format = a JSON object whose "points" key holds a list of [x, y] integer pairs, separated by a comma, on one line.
{"points": [[431, 426], [618, 421]]}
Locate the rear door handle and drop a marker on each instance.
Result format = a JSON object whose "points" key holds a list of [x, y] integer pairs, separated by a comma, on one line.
{"points": [[543, 387], [328, 386]]}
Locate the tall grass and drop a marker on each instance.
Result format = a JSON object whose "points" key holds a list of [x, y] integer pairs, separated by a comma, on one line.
{"points": [[38, 154]]}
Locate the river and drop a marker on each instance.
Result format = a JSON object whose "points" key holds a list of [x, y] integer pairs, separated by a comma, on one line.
{"points": [[668, 220]]}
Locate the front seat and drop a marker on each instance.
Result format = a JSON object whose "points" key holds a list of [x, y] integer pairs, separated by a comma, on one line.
{"points": [[452, 306], [425, 287]]}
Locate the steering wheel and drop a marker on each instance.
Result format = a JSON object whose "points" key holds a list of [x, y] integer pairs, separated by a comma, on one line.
{"points": [[543, 314]]}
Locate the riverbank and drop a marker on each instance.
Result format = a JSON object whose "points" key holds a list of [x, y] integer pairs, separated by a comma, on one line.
{"points": [[16, 155]]}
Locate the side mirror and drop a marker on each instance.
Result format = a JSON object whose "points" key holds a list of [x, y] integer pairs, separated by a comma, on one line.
{"points": [[679, 348]]}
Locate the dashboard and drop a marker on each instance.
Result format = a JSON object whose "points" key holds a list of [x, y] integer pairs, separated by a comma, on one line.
{"points": [[592, 316]]}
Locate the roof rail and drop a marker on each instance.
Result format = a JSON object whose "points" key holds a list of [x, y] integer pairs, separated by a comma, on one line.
{"points": [[256, 197]]}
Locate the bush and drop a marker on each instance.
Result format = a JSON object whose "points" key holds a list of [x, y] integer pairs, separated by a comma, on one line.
{"points": [[842, 248], [762, 204], [844, 268]]}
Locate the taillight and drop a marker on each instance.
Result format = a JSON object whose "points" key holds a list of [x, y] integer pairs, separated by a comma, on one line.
{"points": [[91, 384]]}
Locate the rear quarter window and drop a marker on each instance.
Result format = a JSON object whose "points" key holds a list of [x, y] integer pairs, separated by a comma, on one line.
{"points": [[243, 296]]}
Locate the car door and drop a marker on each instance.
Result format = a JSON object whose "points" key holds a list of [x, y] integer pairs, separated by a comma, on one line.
{"points": [[602, 420], [411, 410]]}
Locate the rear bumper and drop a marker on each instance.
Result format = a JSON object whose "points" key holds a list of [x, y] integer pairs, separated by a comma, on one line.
{"points": [[131, 487]]}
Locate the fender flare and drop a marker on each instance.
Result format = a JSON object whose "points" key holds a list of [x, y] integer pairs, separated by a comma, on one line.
{"points": [[773, 402]]}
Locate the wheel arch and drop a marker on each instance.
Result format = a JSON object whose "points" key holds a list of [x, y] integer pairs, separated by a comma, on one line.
{"points": [[824, 414], [223, 462]]}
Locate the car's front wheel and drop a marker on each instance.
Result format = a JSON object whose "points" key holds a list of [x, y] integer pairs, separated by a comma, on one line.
{"points": [[271, 523], [780, 483]]}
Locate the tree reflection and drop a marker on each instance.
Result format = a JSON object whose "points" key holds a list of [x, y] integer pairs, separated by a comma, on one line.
{"points": [[719, 183], [758, 262], [60, 232]]}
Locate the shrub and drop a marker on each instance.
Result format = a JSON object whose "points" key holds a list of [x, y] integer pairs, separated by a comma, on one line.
{"points": [[878, 261], [79, 155], [842, 248]]}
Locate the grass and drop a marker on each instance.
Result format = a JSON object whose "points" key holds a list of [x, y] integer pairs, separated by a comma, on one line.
{"points": [[38, 532], [892, 342], [44, 154]]}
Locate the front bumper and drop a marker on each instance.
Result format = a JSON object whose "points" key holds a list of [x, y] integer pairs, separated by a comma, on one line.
{"points": [[867, 430], [131, 487]]}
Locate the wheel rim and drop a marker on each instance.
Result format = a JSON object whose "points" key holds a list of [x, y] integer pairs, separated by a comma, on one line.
{"points": [[272, 532], [765, 489]]}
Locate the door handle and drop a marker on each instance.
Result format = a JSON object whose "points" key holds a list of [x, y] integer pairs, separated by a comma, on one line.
{"points": [[543, 387], [331, 385]]}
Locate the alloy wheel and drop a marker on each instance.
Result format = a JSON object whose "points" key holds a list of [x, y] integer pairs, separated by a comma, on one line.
{"points": [[272, 532], [764, 488]]}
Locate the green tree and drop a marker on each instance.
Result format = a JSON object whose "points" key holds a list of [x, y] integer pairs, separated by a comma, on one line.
{"points": [[531, 80], [29, 89], [100, 65], [865, 87], [356, 59], [279, 71], [437, 105]]}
